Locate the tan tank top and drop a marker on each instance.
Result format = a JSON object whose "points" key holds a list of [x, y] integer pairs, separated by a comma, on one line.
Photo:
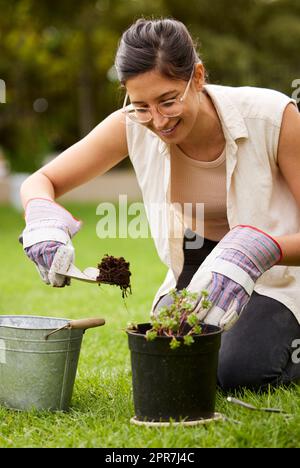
{"points": [[204, 182]]}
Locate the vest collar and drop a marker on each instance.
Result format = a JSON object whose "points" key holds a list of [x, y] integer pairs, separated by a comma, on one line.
{"points": [[231, 119]]}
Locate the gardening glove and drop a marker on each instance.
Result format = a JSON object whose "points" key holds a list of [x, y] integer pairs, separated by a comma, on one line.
{"points": [[229, 274], [165, 301], [47, 239]]}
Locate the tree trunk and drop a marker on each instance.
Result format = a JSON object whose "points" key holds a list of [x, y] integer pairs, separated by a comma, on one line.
{"points": [[86, 99]]}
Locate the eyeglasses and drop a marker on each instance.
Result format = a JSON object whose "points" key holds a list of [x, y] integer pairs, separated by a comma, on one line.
{"points": [[169, 108]]}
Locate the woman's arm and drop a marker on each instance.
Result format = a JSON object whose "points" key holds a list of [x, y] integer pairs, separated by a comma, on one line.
{"points": [[99, 151], [289, 164]]}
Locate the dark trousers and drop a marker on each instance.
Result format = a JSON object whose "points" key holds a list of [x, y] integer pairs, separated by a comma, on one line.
{"points": [[263, 347]]}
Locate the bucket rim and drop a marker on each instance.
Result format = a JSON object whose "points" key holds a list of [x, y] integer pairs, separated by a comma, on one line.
{"points": [[62, 320]]}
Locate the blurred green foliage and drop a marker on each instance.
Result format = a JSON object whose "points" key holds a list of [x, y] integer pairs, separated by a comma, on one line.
{"points": [[55, 59]]}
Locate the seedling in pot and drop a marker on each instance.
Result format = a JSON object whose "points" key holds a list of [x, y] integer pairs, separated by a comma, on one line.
{"points": [[178, 319]]}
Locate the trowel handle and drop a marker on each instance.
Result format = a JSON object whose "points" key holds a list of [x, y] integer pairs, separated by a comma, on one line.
{"points": [[84, 324]]}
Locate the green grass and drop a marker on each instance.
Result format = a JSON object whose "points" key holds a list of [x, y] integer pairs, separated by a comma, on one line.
{"points": [[102, 400]]}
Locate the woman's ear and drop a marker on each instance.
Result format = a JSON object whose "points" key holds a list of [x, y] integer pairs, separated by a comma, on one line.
{"points": [[199, 76]]}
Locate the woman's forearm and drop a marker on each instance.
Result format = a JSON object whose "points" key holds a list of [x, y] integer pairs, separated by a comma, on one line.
{"points": [[290, 246], [37, 186]]}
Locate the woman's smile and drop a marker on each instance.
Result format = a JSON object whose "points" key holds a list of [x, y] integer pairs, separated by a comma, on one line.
{"points": [[169, 131]]}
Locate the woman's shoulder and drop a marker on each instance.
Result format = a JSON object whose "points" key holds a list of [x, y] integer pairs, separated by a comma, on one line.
{"points": [[140, 135], [254, 102], [246, 92]]}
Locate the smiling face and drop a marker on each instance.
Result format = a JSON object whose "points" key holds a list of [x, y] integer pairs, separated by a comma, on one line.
{"points": [[152, 88]]}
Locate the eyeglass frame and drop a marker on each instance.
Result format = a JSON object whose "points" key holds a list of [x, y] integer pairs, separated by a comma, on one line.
{"points": [[180, 100]]}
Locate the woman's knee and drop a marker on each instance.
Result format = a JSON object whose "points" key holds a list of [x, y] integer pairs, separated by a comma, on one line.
{"points": [[234, 372], [241, 368], [256, 351]]}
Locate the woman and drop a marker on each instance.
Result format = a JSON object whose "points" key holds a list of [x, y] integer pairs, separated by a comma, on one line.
{"points": [[237, 150]]}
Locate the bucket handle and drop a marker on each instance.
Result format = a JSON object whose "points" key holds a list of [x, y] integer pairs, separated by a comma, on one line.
{"points": [[82, 324]]}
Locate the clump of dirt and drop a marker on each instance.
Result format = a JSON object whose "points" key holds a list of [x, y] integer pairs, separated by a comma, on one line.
{"points": [[115, 271]]}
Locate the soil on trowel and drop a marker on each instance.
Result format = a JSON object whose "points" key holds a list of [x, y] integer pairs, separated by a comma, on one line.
{"points": [[115, 271]]}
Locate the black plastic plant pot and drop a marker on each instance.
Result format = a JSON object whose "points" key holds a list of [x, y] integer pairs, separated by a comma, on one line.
{"points": [[178, 384]]}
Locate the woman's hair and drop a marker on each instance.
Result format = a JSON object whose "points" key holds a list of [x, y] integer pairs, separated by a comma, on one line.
{"points": [[162, 44]]}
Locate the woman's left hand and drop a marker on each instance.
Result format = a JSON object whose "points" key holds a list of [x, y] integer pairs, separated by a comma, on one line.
{"points": [[230, 271]]}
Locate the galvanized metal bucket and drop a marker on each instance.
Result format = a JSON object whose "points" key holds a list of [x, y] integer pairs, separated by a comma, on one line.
{"points": [[38, 360]]}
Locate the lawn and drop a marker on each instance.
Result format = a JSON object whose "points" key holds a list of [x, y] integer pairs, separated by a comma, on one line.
{"points": [[102, 399]]}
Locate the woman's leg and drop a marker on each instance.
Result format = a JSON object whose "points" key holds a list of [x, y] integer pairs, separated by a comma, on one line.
{"points": [[261, 348]]}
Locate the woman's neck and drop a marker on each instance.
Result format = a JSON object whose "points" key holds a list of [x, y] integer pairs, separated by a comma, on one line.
{"points": [[206, 141]]}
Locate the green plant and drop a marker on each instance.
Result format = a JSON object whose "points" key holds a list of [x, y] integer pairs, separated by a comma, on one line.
{"points": [[178, 319]]}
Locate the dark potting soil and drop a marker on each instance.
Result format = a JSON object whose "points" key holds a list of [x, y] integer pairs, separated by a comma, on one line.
{"points": [[115, 271]]}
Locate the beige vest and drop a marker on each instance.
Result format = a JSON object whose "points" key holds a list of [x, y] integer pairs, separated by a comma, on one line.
{"points": [[257, 194]]}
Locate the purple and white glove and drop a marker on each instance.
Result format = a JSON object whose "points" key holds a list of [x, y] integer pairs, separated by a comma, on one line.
{"points": [[47, 239], [230, 271]]}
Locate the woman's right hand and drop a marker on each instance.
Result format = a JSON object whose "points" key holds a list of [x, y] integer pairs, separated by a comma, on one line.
{"points": [[47, 239], [49, 257]]}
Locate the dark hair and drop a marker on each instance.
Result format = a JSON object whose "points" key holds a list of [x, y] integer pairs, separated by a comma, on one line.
{"points": [[161, 44]]}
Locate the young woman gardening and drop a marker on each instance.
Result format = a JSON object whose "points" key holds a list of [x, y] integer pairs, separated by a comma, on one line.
{"points": [[237, 151]]}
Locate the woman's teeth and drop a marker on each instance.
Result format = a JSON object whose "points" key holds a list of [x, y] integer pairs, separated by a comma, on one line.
{"points": [[169, 130]]}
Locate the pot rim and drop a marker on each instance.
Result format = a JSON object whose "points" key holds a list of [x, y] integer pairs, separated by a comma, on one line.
{"points": [[216, 332]]}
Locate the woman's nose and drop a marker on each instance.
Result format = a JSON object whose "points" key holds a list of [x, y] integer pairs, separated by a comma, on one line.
{"points": [[158, 120]]}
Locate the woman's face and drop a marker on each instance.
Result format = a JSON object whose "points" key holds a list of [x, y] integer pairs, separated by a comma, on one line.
{"points": [[152, 88]]}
